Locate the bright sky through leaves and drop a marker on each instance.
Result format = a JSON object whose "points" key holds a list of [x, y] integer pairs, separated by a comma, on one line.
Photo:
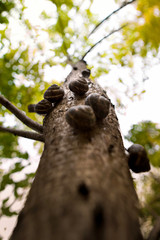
{"points": [[142, 108]]}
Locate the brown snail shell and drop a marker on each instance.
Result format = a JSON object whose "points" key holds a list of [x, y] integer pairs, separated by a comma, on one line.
{"points": [[43, 107], [31, 107], [54, 93], [86, 73], [81, 117], [99, 104], [138, 160], [79, 86]]}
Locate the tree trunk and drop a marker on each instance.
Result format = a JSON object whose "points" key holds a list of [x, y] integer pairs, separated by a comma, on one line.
{"points": [[83, 189]]}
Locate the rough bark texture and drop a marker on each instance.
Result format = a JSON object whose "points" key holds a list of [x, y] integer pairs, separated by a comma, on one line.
{"points": [[83, 189]]}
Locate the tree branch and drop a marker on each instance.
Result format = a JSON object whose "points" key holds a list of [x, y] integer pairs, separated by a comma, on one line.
{"points": [[20, 115], [25, 134], [113, 31], [155, 233], [106, 18]]}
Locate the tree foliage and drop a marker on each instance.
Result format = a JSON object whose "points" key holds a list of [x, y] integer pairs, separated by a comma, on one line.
{"points": [[139, 35]]}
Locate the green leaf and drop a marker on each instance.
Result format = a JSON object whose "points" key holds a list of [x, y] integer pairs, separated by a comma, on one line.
{"points": [[7, 212], [5, 201], [8, 146], [6, 180]]}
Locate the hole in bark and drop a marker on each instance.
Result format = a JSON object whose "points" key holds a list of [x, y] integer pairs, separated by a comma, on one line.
{"points": [[110, 148], [98, 216], [83, 190], [75, 68]]}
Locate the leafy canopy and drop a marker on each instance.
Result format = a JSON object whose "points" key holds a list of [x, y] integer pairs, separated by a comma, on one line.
{"points": [[58, 34]]}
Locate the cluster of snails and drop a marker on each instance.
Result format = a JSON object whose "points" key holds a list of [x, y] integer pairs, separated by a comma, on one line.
{"points": [[137, 159], [84, 117], [55, 93], [96, 107], [52, 95]]}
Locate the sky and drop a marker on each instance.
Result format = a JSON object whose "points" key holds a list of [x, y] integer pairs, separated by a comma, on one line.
{"points": [[145, 108], [141, 109]]}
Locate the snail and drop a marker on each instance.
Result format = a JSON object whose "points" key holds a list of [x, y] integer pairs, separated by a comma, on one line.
{"points": [[99, 104], [41, 107], [54, 93], [81, 117], [79, 86], [31, 107], [138, 160], [86, 73]]}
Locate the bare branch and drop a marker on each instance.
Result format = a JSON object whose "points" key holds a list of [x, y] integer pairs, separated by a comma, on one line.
{"points": [[112, 32], [106, 18], [155, 233], [25, 134], [20, 115]]}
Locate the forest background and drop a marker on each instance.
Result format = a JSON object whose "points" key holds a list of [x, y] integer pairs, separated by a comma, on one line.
{"points": [[37, 42]]}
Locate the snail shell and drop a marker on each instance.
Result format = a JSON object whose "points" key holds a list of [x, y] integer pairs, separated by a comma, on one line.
{"points": [[43, 107], [54, 93], [99, 104], [79, 86], [81, 117], [86, 73], [31, 107], [138, 160]]}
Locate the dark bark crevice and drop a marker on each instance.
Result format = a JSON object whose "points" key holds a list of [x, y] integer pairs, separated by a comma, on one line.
{"points": [[83, 190]]}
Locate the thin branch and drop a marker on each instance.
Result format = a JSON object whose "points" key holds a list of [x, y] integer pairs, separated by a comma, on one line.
{"points": [[106, 18], [112, 32], [155, 233], [20, 115], [26, 134]]}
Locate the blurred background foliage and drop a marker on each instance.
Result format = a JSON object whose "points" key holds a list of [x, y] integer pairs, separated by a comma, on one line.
{"points": [[34, 42], [147, 134]]}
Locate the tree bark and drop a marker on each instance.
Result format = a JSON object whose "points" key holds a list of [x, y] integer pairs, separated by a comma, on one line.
{"points": [[83, 189]]}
